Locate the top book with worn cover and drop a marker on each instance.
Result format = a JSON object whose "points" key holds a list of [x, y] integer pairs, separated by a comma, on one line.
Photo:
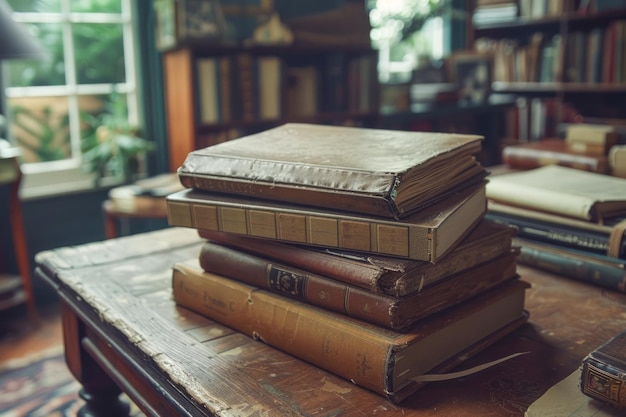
{"points": [[368, 171]]}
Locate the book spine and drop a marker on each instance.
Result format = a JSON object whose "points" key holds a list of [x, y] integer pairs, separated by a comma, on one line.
{"points": [[360, 274], [570, 265], [375, 204], [326, 293], [595, 242], [304, 286], [414, 242], [603, 372], [352, 353]]}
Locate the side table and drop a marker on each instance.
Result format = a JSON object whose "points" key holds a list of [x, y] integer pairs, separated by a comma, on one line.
{"points": [[15, 290], [123, 331]]}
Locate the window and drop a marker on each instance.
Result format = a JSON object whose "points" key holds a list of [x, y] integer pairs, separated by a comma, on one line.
{"points": [[56, 105], [406, 32]]}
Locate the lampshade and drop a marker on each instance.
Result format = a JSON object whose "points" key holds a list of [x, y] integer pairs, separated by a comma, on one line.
{"points": [[15, 41]]}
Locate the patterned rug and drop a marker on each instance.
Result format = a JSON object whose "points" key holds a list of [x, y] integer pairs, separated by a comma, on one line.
{"points": [[40, 386]]}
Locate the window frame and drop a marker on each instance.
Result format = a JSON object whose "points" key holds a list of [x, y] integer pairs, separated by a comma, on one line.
{"points": [[57, 177]]}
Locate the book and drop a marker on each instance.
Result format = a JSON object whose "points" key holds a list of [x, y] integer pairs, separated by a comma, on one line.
{"points": [[552, 151], [603, 372], [269, 71], [383, 310], [370, 171], [617, 160], [396, 277], [373, 357], [561, 190], [590, 138], [427, 235], [601, 270], [302, 91], [566, 400], [209, 92], [604, 239]]}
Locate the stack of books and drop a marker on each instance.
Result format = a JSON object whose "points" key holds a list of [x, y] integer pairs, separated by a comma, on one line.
{"points": [[362, 251], [571, 222]]}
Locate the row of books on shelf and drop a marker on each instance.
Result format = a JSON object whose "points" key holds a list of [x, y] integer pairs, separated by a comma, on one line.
{"points": [[594, 56], [365, 252], [245, 87], [591, 147], [502, 11]]}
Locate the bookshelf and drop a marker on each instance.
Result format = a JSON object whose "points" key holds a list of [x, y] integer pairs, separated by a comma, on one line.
{"points": [[565, 63], [218, 92]]}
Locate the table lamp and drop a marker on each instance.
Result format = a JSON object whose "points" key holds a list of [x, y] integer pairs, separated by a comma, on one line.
{"points": [[15, 43]]}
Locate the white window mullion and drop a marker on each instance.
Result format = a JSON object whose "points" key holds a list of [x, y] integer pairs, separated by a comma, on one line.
{"points": [[129, 62]]}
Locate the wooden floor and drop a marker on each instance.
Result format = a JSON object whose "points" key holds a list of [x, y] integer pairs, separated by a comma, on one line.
{"points": [[21, 338]]}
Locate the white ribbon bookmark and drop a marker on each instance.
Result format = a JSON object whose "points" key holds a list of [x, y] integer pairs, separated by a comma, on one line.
{"points": [[459, 374]]}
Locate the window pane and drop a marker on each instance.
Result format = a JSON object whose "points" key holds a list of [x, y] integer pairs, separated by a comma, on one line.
{"points": [[41, 128], [35, 5], [99, 53], [96, 6], [47, 71]]}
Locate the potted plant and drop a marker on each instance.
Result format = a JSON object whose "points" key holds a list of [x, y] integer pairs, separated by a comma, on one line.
{"points": [[112, 147]]}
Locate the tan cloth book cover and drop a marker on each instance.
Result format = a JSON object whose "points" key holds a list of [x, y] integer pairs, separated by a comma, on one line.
{"points": [[427, 235]]}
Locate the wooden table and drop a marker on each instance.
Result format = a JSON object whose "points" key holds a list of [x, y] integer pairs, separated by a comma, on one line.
{"points": [[122, 331]]}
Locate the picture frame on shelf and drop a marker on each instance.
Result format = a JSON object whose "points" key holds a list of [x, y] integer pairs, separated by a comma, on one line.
{"points": [[180, 21], [472, 72]]}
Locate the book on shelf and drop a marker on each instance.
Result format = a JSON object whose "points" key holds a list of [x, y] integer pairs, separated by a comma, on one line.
{"points": [[373, 357], [603, 239], [552, 151], [369, 171], [617, 160], [603, 372], [561, 190], [426, 235], [393, 276], [380, 309], [600, 270], [590, 138], [270, 74], [302, 91], [209, 93]]}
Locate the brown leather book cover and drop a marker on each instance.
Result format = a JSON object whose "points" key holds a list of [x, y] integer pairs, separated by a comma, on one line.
{"points": [[383, 310], [369, 171], [603, 374], [552, 151], [427, 235], [373, 357], [377, 274]]}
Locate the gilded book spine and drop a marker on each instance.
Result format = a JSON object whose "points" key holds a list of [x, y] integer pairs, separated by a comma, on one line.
{"points": [[603, 374], [332, 343]]}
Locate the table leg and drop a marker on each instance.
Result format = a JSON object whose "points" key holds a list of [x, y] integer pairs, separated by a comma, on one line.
{"points": [[99, 391]]}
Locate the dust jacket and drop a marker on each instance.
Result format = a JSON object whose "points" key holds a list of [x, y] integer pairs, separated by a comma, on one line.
{"points": [[369, 171]]}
